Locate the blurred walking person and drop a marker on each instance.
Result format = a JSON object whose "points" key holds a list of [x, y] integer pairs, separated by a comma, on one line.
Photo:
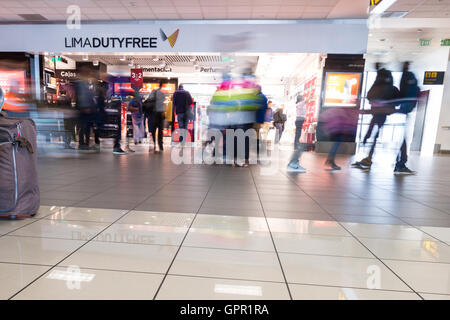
{"points": [[409, 92], [158, 116], [279, 119], [65, 103], [137, 116], [294, 165], [182, 101], [85, 104], [382, 96], [338, 124]]}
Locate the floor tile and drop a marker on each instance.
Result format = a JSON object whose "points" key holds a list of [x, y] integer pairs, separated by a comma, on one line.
{"points": [[319, 244], [429, 296], [143, 234], [339, 271], [308, 292], [47, 210], [440, 233], [123, 256], [103, 204], [368, 219], [385, 231], [14, 277], [158, 218], [219, 222], [197, 288], [7, 225], [72, 230], [87, 214], [413, 250], [356, 210], [229, 239], [299, 215], [233, 264], [36, 250], [426, 277], [61, 284], [306, 227]]}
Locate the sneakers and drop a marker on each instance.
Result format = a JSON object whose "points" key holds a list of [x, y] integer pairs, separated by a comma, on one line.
{"points": [[332, 165], [295, 168], [365, 163], [119, 151], [403, 171]]}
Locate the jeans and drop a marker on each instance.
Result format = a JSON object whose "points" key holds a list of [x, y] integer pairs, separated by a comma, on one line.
{"points": [[244, 127], [280, 128], [335, 147], [69, 128], [138, 127], [402, 156], [118, 134], [86, 122], [183, 120], [379, 120], [158, 124], [297, 145]]}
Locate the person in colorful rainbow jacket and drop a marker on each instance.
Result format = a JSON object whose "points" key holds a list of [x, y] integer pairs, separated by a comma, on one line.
{"points": [[237, 104]]}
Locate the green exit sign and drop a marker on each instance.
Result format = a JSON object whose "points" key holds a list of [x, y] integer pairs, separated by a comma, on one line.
{"points": [[425, 42], [445, 42]]}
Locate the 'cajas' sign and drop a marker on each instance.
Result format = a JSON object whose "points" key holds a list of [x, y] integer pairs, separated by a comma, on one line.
{"points": [[66, 74]]}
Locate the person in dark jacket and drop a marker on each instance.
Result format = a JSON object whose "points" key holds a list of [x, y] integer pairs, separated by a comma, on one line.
{"points": [[65, 103], [85, 104], [279, 118], [137, 115], [182, 102], [409, 92], [100, 113], [380, 97]]}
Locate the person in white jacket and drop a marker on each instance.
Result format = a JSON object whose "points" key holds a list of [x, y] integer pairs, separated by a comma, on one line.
{"points": [[294, 165]]}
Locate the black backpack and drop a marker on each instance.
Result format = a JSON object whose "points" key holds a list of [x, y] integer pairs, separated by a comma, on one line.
{"points": [[149, 105], [409, 90]]}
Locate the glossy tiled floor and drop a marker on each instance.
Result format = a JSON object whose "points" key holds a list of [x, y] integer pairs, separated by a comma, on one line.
{"points": [[140, 227]]}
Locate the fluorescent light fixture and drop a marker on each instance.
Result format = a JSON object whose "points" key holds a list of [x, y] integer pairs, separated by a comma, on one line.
{"points": [[239, 290], [85, 58], [122, 58], [382, 6], [95, 62]]}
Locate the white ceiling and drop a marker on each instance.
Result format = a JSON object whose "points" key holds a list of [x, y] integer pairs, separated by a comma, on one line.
{"points": [[423, 8], [55, 10], [398, 39]]}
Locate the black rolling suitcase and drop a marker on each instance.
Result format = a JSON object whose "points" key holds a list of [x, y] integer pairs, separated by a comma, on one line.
{"points": [[19, 188]]}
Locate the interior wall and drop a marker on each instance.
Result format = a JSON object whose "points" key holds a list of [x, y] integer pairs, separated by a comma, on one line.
{"points": [[443, 135]]}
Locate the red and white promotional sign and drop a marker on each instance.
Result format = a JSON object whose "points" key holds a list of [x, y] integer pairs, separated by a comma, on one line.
{"points": [[137, 78]]}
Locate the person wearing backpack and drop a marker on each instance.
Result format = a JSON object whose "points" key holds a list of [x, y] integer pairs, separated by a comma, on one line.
{"points": [[279, 118], [382, 97], [182, 101], [409, 92], [148, 107], [158, 116]]}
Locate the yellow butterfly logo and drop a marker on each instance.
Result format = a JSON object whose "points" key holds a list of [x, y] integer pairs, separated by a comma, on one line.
{"points": [[172, 38]]}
